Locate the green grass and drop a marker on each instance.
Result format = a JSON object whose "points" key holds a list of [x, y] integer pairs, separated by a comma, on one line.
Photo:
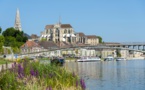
{"points": [[70, 58], [3, 61], [35, 76]]}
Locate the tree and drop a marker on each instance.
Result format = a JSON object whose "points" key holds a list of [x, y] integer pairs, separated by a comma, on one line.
{"points": [[100, 39], [2, 39], [118, 53], [0, 29], [18, 35], [10, 41], [14, 38]]}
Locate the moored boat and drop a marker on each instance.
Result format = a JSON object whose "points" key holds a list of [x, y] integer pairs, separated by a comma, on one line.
{"points": [[109, 58], [57, 60], [88, 59]]}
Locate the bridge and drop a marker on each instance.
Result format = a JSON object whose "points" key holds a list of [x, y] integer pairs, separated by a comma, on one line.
{"points": [[131, 45]]}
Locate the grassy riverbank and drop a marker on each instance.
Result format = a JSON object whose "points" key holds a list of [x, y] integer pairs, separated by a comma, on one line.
{"points": [[3, 61], [36, 76]]}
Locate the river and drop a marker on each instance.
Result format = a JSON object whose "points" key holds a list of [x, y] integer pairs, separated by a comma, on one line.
{"points": [[111, 75]]}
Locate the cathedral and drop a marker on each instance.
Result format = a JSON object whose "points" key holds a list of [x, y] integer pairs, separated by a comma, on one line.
{"points": [[65, 34], [59, 33]]}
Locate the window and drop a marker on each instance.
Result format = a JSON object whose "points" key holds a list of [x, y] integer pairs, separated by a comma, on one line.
{"points": [[69, 31], [57, 32], [65, 31]]}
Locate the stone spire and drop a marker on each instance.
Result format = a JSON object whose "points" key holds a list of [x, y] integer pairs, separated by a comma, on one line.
{"points": [[59, 22], [17, 25]]}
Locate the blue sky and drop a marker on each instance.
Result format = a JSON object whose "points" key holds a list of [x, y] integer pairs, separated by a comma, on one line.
{"points": [[113, 20]]}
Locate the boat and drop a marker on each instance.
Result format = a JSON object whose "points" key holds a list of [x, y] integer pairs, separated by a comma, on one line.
{"points": [[88, 59], [109, 58], [120, 59], [57, 60]]}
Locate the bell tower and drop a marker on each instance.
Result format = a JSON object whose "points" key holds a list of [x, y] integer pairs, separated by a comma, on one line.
{"points": [[17, 25]]}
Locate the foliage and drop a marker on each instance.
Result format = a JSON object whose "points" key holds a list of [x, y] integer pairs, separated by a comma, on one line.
{"points": [[118, 53], [3, 61], [36, 76], [14, 38], [43, 39], [2, 39], [0, 29], [100, 39]]}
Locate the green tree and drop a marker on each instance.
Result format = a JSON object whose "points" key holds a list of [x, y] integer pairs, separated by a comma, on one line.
{"points": [[43, 39], [14, 38], [118, 53], [100, 39], [2, 40], [0, 29], [10, 41]]}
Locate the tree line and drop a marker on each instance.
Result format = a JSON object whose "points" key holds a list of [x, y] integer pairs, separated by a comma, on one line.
{"points": [[12, 38]]}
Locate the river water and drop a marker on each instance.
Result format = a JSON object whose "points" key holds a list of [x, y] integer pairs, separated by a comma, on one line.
{"points": [[111, 75]]}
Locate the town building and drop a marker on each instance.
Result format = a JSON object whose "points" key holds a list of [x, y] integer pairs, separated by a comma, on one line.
{"points": [[30, 47], [92, 40], [59, 33]]}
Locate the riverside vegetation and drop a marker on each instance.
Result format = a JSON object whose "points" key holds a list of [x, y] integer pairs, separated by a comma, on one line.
{"points": [[27, 75]]}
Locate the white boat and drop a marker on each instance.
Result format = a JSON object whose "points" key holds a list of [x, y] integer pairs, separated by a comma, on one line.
{"points": [[119, 59], [88, 59], [109, 58]]}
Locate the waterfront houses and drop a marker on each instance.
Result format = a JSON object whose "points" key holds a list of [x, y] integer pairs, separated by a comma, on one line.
{"points": [[30, 47]]}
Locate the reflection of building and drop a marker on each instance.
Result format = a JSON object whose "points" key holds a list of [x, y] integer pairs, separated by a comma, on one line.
{"points": [[59, 33]]}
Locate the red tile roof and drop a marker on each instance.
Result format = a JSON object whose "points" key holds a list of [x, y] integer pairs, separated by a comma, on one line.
{"points": [[66, 26], [49, 26], [91, 36], [30, 44], [62, 26], [81, 34]]}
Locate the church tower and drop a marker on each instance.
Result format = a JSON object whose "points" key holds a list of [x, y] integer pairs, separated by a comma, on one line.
{"points": [[17, 25]]}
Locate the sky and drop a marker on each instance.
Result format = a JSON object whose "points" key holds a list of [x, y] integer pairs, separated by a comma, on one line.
{"points": [[113, 20]]}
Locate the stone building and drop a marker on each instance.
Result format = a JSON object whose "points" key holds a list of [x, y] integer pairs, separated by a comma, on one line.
{"points": [[64, 36], [81, 38], [92, 40], [59, 33]]}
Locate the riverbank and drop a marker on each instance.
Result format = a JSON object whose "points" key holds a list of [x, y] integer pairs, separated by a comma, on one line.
{"points": [[33, 75]]}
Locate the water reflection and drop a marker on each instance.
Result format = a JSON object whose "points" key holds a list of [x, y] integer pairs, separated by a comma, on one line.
{"points": [[111, 75]]}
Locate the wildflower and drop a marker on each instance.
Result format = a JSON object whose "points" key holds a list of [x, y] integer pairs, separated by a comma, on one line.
{"points": [[20, 71], [49, 88], [34, 73]]}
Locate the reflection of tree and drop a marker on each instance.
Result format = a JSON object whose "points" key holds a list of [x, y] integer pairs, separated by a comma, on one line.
{"points": [[118, 53], [76, 51]]}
